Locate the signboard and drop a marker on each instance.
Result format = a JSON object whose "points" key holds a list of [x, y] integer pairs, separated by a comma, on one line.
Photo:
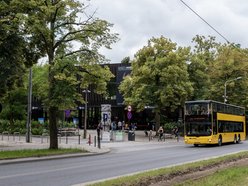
{"points": [[106, 136], [106, 108], [129, 115], [106, 116], [122, 71], [67, 113], [41, 120]]}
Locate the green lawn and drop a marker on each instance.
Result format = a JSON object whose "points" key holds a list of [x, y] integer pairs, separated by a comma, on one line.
{"points": [[35, 153]]}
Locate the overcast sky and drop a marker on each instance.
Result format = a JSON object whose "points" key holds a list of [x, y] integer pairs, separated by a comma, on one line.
{"points": [[139, 20]]}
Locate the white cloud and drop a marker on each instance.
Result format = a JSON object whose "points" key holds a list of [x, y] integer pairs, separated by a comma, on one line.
{"points": [[138, 20]]}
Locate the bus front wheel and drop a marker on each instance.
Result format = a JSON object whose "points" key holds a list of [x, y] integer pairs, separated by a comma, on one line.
{"points": [[220, 141]]}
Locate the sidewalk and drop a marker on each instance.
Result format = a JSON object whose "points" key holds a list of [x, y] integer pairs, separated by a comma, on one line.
{"points": [[17, 143]]}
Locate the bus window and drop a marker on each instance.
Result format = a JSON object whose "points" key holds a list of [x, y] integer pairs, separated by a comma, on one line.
{"points": [[220, 127], [214, 128]]}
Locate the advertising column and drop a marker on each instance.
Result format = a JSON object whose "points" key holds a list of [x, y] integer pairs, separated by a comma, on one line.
{"points": [[106, 121]]}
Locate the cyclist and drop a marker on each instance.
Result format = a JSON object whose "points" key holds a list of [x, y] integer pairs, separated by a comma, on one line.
{"points": [[160, 133]]}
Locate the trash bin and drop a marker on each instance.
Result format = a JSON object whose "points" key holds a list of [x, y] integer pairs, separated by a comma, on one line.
{"points": [[131, 136]]}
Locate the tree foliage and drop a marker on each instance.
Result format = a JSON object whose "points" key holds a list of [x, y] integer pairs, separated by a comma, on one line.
{"points": [[62, 31], [159, 76], [230, 63], [200, 63], [212, 64], [12, 47]]}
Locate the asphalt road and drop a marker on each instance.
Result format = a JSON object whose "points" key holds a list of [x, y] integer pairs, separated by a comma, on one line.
{"points": [[121, 161]]}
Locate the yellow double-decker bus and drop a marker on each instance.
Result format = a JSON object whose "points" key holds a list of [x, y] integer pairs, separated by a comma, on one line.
{"points": [[212, 122]]}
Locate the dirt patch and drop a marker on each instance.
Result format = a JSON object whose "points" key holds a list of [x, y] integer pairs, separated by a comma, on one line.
{"points": [[192, 173], [201, 172]]}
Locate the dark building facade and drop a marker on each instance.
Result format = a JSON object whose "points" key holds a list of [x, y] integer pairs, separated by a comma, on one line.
{"points": [[114, 99]]}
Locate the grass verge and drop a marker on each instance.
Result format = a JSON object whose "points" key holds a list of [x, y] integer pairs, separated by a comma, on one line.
{"points": [[154, 176], [36, 153], [228, 177]]}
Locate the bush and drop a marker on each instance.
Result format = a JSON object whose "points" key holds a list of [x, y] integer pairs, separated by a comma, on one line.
{"points": [[66, 125], [20, 126], [37, 131], [4, 125], [168, 127]]}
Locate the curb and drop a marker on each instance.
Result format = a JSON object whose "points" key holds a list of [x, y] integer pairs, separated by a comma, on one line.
{"points": [[54, 157]]}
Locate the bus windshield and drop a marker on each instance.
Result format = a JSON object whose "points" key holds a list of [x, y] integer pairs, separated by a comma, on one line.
{"points": [[198, 128], [197, 109]]}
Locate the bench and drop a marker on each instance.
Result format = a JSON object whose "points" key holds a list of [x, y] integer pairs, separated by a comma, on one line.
{"points": [[68, 131], [169, 136]]}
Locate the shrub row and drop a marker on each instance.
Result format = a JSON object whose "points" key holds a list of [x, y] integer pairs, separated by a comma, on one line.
{"points": [[36, 127]]}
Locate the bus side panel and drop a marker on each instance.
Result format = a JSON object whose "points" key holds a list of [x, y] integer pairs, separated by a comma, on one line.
{"points": [[229, 136]]}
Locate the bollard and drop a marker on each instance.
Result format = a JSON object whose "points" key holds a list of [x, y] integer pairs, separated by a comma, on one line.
{"points": [[89, 141], [94, 141], [5, 132], [99, 141], [15, 133], [59, 138], [78, 138], [44, 135], [66, 138]]}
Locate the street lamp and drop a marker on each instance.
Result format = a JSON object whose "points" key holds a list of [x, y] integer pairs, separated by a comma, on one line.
{"points": [[85, 113], [225, 97]]}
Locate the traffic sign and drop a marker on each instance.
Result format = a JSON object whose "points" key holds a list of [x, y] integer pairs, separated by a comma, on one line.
{"points": [[129, 115], [105, 117]]}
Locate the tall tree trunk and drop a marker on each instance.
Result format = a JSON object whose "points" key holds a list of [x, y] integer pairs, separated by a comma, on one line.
{"points": [[157, 119], [53, 110], [53, 127]]}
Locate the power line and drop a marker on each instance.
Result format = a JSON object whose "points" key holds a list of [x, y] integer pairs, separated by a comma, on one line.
{"points": [[205, 21]]}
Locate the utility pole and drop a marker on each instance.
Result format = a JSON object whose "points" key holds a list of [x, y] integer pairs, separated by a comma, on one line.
{"points": [[225, 96], [29, 111]]}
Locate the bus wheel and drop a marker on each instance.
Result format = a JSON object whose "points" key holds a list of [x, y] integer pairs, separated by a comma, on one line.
{"points": [[220, 141], [235, 139], [196, 145]]}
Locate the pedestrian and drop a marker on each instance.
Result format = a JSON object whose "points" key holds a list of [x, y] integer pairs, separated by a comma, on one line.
{"points": [[99, 130], [176, 133], [119, 124], [160, 132]]}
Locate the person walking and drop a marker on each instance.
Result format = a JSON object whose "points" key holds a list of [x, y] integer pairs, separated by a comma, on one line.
{"points": [[160, 133], [119, 124], [176, 132]]}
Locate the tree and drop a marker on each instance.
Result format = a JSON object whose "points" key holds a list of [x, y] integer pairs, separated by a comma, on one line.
{"points": [[202, 57], [54, 29], [12, 50], [125, 60], [230, 63], [159, 77], [212, 64]]}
